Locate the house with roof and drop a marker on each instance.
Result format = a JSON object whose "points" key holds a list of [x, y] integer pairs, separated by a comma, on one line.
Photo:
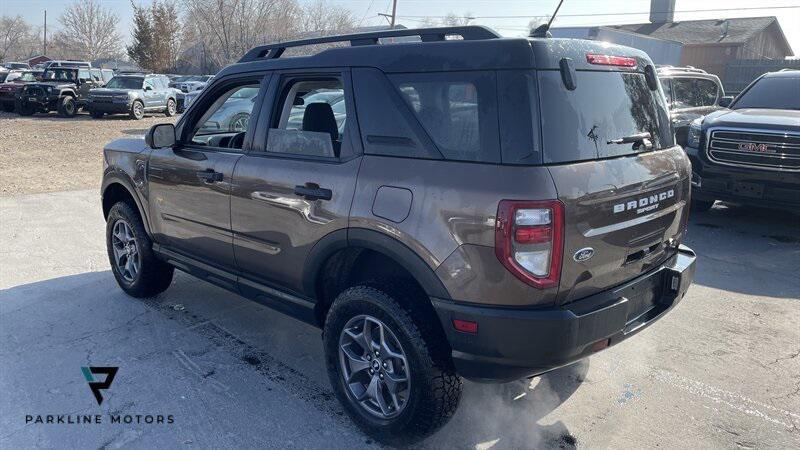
{"points": [[712, 44]]}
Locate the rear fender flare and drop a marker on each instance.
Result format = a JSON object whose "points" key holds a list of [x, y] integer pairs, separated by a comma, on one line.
{"points": [[375, 241]]}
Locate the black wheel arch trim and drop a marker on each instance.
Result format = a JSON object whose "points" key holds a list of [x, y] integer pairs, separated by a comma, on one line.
{"points": [[115, 176], [376, 241]]}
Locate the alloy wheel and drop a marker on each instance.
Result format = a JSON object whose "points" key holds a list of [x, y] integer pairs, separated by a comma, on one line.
{"points": [[138, 110], [171, 107], [126, 253], [374, 366]]}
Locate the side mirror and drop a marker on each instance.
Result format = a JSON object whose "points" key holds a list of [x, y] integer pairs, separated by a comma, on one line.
{"points": [[725, 101], [148, 88], [160, 136]]}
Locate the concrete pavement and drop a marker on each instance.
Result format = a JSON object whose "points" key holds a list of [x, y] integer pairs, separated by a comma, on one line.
{"points": [[722, 370]]}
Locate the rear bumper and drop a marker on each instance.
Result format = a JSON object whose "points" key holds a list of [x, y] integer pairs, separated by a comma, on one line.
{"points": [[749, 186], [513, 343]]}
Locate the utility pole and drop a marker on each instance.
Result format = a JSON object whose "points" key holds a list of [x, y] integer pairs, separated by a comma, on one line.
{"points": [[45, 33], [394, 13]]}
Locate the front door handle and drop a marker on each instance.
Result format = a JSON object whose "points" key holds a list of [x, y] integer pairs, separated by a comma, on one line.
{"points": [[210, 176], [312, 191]]}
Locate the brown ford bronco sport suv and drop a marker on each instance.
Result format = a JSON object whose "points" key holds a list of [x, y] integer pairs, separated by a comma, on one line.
{"points": [[481, 207]]}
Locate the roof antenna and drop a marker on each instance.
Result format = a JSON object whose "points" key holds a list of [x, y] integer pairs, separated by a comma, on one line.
{"points": [[542, 31]]}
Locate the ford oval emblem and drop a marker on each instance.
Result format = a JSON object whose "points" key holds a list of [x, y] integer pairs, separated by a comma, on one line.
{"points": [[583, 254]]}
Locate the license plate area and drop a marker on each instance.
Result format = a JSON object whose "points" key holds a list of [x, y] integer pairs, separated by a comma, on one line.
{"points": [[751, 190], [643, 296]]}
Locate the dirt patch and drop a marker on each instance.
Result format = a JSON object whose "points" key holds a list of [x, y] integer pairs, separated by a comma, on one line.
{"points": [[45, 153]]}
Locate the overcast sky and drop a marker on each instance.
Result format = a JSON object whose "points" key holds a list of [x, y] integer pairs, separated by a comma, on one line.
{"points": [[409, 11]]}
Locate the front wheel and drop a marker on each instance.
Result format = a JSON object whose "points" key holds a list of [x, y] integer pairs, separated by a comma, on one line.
{"points": [[169, 111], [24, 109], [67, 106], [391, 380], [137, 270], [137, 110]]}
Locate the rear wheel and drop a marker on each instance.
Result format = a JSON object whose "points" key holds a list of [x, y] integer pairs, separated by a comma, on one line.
{"points": [[384, 370], [137, 110], [702, 205], [137, 270], [67, 106], [169, 111]]}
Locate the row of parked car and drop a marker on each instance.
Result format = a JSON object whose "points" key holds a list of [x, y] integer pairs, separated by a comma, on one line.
{"points": [[71, 86]]}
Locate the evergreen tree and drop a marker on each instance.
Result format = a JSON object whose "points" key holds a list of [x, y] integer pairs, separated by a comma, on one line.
{"points": [[142, 49]]}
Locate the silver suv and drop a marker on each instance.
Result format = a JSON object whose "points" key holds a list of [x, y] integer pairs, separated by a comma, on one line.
{"points": [[133, 94]]}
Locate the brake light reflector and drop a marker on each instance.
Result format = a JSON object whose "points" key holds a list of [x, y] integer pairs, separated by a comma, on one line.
{"points": [[529, 240], [609, 60], [465, 326]]}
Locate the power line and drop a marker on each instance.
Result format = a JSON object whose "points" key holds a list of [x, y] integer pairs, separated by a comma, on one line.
{"points": [[611, 14]]}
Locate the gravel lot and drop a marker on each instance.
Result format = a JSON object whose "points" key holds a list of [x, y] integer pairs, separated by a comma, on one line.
{"points": [[45, 153]]}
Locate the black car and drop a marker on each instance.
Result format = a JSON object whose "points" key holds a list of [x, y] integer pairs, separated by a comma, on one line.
{"points": [[691, 93], [62, 89], [750, 153]]}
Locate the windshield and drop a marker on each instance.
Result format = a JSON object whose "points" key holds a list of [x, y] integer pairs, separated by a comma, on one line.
{"points": [[125, 83], [771, 93], [605, 106], [60, 74]]}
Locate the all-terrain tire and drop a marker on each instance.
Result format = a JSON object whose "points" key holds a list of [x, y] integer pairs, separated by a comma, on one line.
{"points": [[23, 108], [137, 110], [702, 205], [154, 276], [67, 106], [435, 388], [169, 111]]}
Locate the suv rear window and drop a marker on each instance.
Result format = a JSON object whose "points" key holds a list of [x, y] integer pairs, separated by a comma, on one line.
{"points": [[577, 125]]}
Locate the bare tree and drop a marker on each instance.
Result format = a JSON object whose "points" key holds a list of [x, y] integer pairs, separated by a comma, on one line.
{"points": [[18, 39], [88, 31], [218, 32]]}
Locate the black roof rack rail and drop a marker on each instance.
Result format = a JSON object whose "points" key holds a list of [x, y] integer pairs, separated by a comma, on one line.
{"points": [[469, 33]]}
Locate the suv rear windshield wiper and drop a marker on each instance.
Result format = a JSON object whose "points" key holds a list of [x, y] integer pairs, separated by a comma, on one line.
{"points": [[638, 141]]}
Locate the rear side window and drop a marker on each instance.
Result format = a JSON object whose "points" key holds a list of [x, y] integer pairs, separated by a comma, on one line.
{"points": [[458, 110], [606, 105]]}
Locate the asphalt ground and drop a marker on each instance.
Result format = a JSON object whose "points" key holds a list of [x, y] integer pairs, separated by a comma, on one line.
{"points": [[720, 371]]}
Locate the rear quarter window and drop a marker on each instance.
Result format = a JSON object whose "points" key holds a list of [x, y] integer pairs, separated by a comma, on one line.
{"points": [[458, 110], [578, 125]]}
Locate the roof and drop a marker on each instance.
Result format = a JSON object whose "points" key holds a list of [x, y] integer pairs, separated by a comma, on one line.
{"points": [[480, 49], [715, 31]]}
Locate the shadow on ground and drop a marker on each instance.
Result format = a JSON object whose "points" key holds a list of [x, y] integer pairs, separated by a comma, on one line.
{"points": [[279, 349], [747, 250]]}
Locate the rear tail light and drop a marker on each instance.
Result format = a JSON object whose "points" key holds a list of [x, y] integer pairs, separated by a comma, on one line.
{"points": [[609, 60], [529, 240]]}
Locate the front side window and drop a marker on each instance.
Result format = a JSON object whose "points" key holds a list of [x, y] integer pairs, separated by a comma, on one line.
{"points": [[310, 119], [225, 121], [457, 111], [781, 92]]}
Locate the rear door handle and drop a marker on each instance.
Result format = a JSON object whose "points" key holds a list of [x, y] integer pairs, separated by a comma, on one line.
{"points": [[312, 191], [210, 176]]}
